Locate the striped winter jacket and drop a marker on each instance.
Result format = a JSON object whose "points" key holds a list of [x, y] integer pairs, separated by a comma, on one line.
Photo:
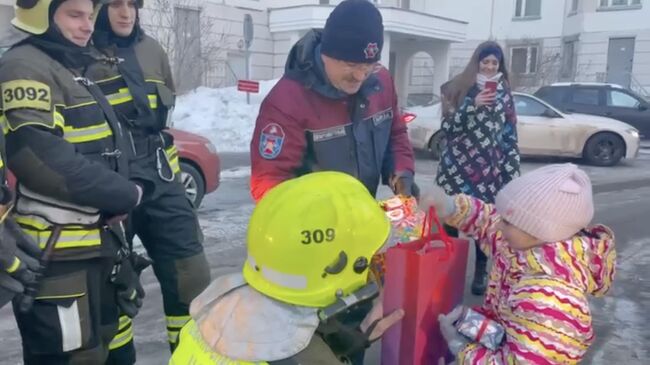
{"points": [[538, 295]]}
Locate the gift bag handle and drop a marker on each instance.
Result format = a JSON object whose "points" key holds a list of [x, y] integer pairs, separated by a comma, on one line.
{"points": [[431, 219]]}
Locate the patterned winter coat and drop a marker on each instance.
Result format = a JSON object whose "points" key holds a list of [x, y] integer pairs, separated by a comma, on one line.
{"points": [[481, 154], [538, 295]]}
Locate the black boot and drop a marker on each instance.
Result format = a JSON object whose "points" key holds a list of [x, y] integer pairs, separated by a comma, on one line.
{"points": [[479, 284]]}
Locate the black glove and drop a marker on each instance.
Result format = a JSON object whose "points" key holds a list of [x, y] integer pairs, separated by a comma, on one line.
{"points": [[404, 185], [19, 263], [129, 292]]}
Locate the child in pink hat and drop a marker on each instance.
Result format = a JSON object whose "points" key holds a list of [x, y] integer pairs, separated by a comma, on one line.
{"points": [[546, 260]]}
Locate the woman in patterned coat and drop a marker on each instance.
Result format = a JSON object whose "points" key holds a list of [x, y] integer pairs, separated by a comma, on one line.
{"points": [[480, 154]]}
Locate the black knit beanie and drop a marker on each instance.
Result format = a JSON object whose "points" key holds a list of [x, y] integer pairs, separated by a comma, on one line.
{"points": [[354, 32]]}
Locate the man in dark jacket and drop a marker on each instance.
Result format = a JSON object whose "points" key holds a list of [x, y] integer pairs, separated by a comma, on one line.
{"points": [[335, 108], [140, 88], [65, 149]]}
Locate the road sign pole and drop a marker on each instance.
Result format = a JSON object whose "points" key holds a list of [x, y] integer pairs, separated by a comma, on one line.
{"points": [[248, 40]]}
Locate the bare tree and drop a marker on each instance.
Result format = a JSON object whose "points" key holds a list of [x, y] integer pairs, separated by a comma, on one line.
{"points": [[190, 37]]}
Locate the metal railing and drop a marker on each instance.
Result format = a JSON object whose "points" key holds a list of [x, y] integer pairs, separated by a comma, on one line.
{"points": [[637, 87]]}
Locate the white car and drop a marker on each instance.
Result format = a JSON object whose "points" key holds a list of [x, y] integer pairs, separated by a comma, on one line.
{"points": [[543, 131]]}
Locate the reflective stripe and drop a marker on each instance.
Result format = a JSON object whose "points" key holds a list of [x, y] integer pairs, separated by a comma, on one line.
{"points": [[122, 96], [5, 124], [124, 321], [59, 120], [172, 155], [153, 101], [68, 239], [172, 336], [73, 236], [124, 334], [2, 163], [87, 134], [177, 321], [174, 325], [14, 266], [279, 278], [70, 327]]}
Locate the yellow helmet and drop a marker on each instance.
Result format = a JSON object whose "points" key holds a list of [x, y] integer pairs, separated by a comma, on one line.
{"points": [[311, 239], [33, 16]]}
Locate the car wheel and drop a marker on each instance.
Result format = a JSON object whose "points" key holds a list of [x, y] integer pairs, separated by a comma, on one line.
{"points": [[604, 149], [194, 184], [436, 144]]}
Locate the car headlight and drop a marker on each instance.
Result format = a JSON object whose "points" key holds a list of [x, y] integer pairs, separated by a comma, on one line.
{"points": [[633, 132], [210, 147]]}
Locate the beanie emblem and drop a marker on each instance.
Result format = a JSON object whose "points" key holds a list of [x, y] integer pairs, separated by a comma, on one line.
{"points": [[371, 50]]}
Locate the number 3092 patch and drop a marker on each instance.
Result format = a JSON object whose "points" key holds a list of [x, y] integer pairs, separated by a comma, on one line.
{"points": [[30, 94]]}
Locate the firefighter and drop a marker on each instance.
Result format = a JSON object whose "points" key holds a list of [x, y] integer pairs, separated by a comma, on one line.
{"points": [[141, 90], [66, 150], [334, 109], [310, 243]]}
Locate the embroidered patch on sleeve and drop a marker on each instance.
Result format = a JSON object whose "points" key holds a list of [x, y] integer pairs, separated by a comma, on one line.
{"points": [[271, 141], [29, 94]]}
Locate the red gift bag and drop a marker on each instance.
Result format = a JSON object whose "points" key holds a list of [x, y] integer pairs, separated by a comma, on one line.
{"points": [[425, 280]]}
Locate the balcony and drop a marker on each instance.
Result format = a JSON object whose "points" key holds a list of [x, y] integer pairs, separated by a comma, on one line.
{"points": [[396, 20]]}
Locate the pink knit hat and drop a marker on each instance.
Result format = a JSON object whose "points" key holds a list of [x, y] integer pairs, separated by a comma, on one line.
{"points": [[551, 203]]}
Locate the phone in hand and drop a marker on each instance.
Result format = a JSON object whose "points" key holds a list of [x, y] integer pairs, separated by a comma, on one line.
{"points": [[491, 86]]}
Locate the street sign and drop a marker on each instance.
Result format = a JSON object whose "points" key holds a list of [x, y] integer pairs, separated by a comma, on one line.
{"points": [[248, 86]]}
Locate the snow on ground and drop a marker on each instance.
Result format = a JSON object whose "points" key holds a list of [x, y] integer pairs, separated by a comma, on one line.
{"points": [[221, 115]]}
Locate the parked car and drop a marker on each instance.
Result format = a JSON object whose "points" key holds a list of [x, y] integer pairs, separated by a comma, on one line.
{"points": [[544, 131], [199, 162], [200, 165], [607, 100]]}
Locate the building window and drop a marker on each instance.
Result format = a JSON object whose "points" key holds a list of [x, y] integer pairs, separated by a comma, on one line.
{"points": [[405, 4], [528, 8], [619, 3], [574, 6], [523, 60]]}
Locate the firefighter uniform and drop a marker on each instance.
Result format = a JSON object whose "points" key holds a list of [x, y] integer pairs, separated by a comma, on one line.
{"points": [[65, 152], [141, 90]]}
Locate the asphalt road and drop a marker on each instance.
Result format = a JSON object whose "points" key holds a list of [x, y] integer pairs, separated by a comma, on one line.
{"points": [[623, 203]]}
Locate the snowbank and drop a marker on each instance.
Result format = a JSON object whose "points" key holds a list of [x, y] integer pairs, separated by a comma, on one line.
{"points": [[221, 115]]}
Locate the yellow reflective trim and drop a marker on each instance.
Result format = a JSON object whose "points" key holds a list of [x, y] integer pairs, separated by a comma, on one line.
{"points": [[155, 81], [2, 163], [59, 120], [122, 96], [121, 339], [172, 336], [177, 321], [172, 155], [109, 79], [124, 321], [68, 239], [80, 105], [87, 134], [153, 101], [14, 266], [5, 124], [68, 296]]}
